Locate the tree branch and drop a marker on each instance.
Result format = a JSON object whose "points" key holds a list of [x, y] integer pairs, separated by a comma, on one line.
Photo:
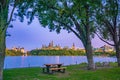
{"points": [[6, 25], [78, 35], [84, 24], [69, 28], [80, 30], [11, 14], [109, 26], [0, 7], [104, 40], [119, 35]]}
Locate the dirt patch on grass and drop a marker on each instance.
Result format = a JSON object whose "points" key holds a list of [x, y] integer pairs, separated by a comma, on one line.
{"points": [[61, 75]]}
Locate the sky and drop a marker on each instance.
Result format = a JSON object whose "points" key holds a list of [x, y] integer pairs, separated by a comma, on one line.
{"points": [[34, 36]]}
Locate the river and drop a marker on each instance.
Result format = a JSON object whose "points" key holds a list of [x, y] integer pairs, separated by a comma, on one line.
{"points": [[39, 61]]}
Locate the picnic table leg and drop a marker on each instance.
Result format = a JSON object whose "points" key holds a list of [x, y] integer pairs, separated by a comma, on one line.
{"points": [[59, 67], [48, 69], [63, 71], [43, 70]]}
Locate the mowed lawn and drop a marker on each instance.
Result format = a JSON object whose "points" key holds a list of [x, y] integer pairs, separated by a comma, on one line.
{"points": [[73, 72]]}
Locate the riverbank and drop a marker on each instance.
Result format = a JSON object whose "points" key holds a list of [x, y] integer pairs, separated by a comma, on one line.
{"points": [[73, 72]]}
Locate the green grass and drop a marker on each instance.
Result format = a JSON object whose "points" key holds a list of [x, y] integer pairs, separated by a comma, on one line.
{"points": [[73, 72]]}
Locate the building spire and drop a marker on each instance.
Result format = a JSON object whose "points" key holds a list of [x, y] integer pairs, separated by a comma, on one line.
{"points": [[73, 46]]}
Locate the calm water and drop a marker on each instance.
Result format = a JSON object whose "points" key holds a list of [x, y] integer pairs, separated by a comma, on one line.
{"points": [[39, 61]]}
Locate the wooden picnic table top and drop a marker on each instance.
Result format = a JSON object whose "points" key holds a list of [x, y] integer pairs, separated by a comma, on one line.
{"points": [[53, 64]]}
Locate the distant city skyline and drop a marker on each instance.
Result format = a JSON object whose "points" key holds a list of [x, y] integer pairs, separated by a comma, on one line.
{"points": [[34, 36]]}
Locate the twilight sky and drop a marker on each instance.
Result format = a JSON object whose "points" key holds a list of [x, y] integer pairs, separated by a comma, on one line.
{"points": [[33, 36]]}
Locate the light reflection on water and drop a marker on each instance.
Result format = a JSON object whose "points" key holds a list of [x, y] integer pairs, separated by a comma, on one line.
{"points": [[39, 61]]}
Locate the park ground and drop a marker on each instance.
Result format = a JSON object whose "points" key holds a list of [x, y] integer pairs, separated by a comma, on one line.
{"points": [[73, 72]]}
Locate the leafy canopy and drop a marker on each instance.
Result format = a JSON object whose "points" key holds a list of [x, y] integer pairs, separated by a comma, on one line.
{"points": [[75, 16]]}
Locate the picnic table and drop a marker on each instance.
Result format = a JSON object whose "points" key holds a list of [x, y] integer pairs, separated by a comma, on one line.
{"points": [[50, 68]]}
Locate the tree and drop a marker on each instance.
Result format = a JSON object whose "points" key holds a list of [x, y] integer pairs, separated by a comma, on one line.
{"points": [[5, 21], [72, 15], [4, 5], [108, 24]]}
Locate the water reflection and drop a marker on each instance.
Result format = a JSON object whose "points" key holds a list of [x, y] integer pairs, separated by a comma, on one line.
{"points": [[57, 59]]}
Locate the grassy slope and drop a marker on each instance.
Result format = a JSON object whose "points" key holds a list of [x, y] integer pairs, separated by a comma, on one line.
{"points": [[73, 72]]}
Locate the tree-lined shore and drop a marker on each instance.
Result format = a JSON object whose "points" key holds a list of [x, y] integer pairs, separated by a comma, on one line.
{"points": [[56, 53]]}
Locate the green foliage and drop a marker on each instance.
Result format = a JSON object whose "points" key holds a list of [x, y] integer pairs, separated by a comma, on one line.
{"points": [[65, 52], [107, 18], [105, 53], [24, 8], [13, 53], [57, 52], [75, 16]]}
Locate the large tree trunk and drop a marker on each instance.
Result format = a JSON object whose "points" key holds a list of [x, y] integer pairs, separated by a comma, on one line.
{"points": [[2, 52], [4, 22], [118, 54], [116, 41], [89, 54]]}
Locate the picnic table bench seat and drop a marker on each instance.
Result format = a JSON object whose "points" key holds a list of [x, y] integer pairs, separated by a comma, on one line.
{"points": [[62, 69]]}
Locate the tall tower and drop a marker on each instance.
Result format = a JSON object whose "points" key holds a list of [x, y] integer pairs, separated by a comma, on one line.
{"points": [[73, 46], [51, 44]]}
